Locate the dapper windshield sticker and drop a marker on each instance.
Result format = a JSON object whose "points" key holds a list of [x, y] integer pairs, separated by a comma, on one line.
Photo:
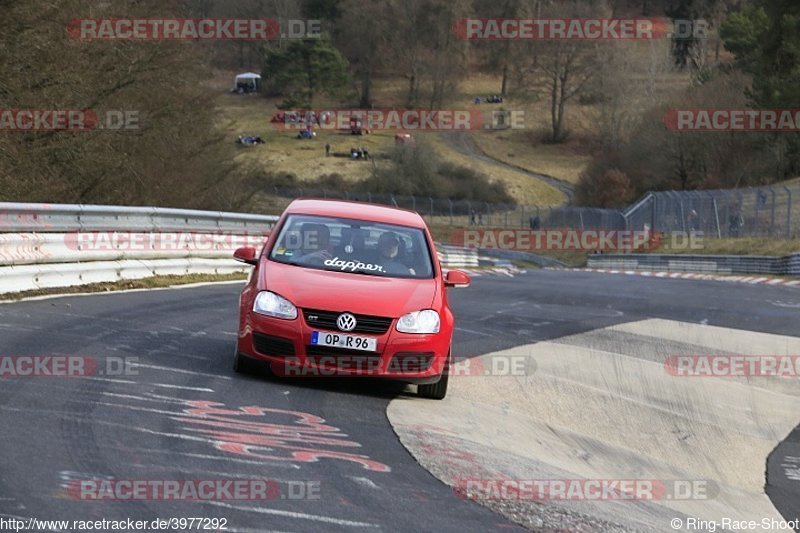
{"points": [[352, 266]]}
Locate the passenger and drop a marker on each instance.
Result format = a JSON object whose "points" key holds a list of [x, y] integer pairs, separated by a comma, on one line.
{"points": [[389, 252]]}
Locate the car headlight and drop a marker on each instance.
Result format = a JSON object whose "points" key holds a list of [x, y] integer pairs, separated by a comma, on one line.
{"points": [[425, 321], [270, 304]]}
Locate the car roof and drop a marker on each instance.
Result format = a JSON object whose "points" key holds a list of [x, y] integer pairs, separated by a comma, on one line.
{"points": [[356, 210]]}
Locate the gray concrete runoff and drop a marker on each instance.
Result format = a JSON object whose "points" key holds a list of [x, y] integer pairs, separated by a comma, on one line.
{"points": [[600, 405]]}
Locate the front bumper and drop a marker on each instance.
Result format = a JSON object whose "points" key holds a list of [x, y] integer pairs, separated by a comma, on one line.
{"points": [[286, 346]]}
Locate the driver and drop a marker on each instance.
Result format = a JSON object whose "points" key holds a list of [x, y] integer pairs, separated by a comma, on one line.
{"points": [[316, 244]]}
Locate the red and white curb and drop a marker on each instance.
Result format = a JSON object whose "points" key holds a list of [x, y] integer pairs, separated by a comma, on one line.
{"points": [[753, 280], [488, 271]]}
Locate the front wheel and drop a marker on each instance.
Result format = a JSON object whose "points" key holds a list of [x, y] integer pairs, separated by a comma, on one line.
{"points": [[438, 390]]}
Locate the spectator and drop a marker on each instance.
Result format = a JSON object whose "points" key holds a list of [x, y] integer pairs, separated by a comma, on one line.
{"points": [[694, 221], [735, 224]]}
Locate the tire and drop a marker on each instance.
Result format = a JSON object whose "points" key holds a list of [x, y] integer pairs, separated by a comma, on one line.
{"points": [[438, 390]]}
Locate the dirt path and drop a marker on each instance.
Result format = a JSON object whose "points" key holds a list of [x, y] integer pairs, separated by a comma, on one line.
{"points": [[461, 143]]}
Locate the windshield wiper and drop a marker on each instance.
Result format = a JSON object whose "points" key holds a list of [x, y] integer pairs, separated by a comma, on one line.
{"points": [[367, 273]]}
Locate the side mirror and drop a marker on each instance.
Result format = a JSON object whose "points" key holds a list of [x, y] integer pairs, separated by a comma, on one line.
{"points": [[246, 254], [456, 278]]}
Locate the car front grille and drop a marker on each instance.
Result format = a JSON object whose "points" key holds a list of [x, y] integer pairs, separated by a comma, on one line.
{"points": [[274, 346], [376, 325]]}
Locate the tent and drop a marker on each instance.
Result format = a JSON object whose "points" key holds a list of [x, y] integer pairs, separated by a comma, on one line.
{"points": [[249, 82]]}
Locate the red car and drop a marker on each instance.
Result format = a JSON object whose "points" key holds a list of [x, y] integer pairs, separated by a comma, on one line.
{"points": [[348, 289]]}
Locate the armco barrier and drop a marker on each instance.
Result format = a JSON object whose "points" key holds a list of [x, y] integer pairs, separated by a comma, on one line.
{"points": [[61, 245], [17, 217], [717, 264], [37, 248], [31, 277]]}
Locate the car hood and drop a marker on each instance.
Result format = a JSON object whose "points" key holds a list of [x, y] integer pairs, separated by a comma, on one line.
{"points": [[339, 291]]}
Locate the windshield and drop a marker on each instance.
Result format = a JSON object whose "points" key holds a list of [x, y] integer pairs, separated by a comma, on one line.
{"points": [[353, 246]]}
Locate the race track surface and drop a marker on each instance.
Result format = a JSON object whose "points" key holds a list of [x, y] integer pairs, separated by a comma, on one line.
{"points": [[184, 415]]}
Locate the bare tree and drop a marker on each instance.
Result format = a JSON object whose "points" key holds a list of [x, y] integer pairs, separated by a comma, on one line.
{"points": [[410, 25], [567, 67], [628, 81], [447, 54], [364, 45]]}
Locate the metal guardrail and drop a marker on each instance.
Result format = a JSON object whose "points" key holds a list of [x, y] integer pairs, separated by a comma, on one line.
{"points": [[61, 245], [81, 247], [21, 217], [45, 276], [718, 264]]}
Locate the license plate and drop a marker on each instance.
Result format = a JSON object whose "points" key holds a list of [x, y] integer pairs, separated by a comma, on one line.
{"points": [[343, 340]]}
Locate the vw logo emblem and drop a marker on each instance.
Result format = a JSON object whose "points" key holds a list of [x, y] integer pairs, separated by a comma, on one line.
{"points": [[346, 322]]}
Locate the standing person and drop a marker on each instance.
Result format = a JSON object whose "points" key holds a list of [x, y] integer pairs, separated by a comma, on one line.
{"points": [[327, 149], [735, 224], [694, 221]]}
